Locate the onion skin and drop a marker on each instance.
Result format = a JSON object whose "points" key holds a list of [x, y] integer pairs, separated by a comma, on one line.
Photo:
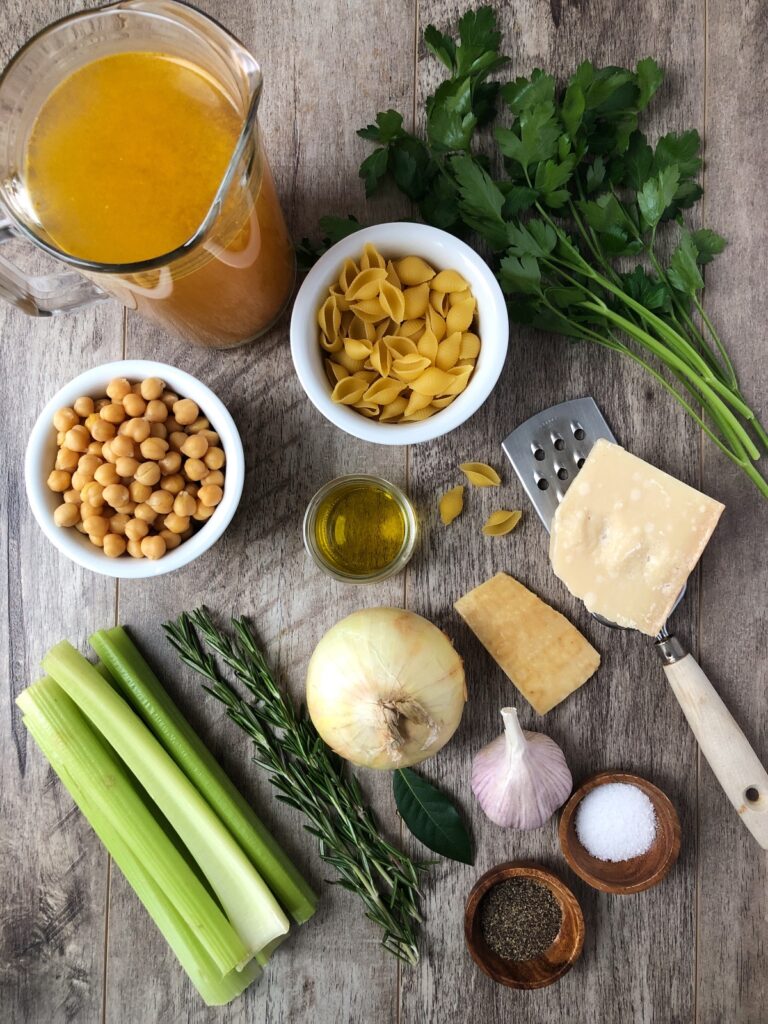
{"points": [[385, 688]]}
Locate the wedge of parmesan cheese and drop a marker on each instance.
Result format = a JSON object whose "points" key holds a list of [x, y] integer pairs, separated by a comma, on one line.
{"points": [[626, 536], [539, 650]]}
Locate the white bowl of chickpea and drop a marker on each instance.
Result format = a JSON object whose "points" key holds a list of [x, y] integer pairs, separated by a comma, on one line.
{"points": [[134, 469]]}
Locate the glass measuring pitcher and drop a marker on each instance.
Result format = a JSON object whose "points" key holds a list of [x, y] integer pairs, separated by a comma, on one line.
{"points": [[232, 278]]}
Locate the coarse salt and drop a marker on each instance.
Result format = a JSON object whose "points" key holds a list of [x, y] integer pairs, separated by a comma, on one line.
{"points": [[616, 821]]}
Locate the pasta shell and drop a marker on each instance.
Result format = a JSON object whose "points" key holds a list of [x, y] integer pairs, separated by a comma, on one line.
{"points": [[499, 523], [447, 351], [448, 281], [331, 345], [365, 285], [416, 402], [409, 367], [381, 358], [385, 327], [427, 345], [461, 375], [480, 474], [399, 345], [358, 348], [353, 365], [439, 302], [329, 317], [383, 391], [371, 257], [368, 376], [359, 329], [413, 270], [470, 346], [460, 316], [349, 391], [420, 414], [416, 300], [369, 409], [411, 328], [455, 297], [432, 382], [369, 310], [436, 323], [392, 275], [335, 372], [441, 403], [392, 301], [348, 273], [451, 504], [393, 410]]}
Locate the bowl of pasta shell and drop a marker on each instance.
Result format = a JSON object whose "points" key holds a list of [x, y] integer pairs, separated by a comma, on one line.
{"points": [[399, 333]]}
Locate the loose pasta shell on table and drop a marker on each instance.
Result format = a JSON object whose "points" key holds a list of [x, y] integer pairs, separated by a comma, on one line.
{"points": [[335, 372], [451, 504], [329, 317], [358, 348], [349, 391], [432, 382], [409, 367], [413, 270], [501, 522], [365, 285], [416, 300], [384, 391], [448, 281], [416, 403], [448, 351], [392, 301], [480, 474], [393, 410], [371, 257], [460, 316], [436, 324], [427, 345], [470, 346], [370, 310]]}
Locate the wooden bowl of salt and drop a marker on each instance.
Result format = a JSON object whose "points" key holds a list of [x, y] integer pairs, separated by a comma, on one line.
{"points": [[618, 825]]}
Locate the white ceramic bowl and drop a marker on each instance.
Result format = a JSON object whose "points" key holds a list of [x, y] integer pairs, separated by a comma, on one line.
{"points": [[41, 454], [444, 252]]}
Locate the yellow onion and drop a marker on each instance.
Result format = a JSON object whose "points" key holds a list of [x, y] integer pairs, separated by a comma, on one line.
{"points": [[385, 688]]}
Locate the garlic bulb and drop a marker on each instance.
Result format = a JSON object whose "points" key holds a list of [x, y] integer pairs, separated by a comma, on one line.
{"points": [[521, 778], [385, 688]]}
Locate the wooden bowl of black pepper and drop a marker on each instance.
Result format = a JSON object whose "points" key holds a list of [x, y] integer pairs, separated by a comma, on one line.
{"points": [[523, 926]]}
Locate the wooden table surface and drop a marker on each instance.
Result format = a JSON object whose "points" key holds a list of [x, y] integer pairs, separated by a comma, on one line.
{"points": [[76, 945]]}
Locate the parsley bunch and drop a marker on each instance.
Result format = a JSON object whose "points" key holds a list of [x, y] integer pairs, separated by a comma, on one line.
{"points": [[572, 205]]}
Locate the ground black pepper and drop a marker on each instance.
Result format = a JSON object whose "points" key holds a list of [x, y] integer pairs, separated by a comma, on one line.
{"points": [[519, 919]]}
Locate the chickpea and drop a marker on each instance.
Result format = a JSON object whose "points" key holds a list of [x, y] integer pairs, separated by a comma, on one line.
{"points": [[161, 501], [93, 493], [87, 509], [118, 388], [88, 464], [79, 527], [66, 515], [157, 411], [200, 424], [107, 453], [172, 540], [102, 431], [176, 439], [216, 478], [59, 480], [126, 467], [127, 509], [94, 448], [118, 522], [172, 424], [195, 447], [170, 398], [134, 405], [99, 404], [176, 523], [136, 388], [185, 504], [64, 419], [211, 437], [153, 547], [60, 435], [139, 492], [106, 474], [151, 388], [79, 480], [135, 529], [147, 473], [192, 488], [114, 545], [173, 483], [158, 430], [96, 540], [113, 413], [154, 448], [116, 494], [96, 526], [185, 411], [210, 495], [203, 512], [170, 463], [66, 459], [77, 439], [214, 458], [137, 429], [145, 512], [134, 549], [72, 496], [83, 406], [195, 469], [123, 447]]}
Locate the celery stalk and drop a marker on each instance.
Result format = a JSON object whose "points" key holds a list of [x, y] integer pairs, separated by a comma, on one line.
{"points": [[99, 784], [138, 684], [250, 906]]}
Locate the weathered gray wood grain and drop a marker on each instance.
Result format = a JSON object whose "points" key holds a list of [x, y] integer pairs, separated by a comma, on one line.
{"points": [[638, 960], [54, 871], [316, 93], [733, 875]]}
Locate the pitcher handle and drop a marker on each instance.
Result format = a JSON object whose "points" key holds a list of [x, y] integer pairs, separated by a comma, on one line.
{"points": [[46, 295]]}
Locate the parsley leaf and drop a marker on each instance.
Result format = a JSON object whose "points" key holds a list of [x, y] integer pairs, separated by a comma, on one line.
{"points": [[708, 245], [481, 202], [657, 194]]}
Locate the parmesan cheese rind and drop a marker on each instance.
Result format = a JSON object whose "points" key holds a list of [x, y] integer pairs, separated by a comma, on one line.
{"points": [[626, 536], [539, 650]]}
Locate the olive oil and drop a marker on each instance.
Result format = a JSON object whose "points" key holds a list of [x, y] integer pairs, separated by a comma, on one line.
{"points": [[360, 528]]}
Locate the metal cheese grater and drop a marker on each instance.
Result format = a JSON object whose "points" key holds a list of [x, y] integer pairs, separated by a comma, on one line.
{"points": [[547, 452]]}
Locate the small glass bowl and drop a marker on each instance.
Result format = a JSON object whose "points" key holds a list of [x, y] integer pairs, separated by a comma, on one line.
{"points": [[398, 562]]}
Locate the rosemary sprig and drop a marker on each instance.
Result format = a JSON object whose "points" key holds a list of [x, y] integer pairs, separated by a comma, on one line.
{"points": [[308, 775]]}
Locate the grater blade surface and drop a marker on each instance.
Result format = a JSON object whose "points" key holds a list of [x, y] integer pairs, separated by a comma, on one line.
{"points": [[549, 449]]}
